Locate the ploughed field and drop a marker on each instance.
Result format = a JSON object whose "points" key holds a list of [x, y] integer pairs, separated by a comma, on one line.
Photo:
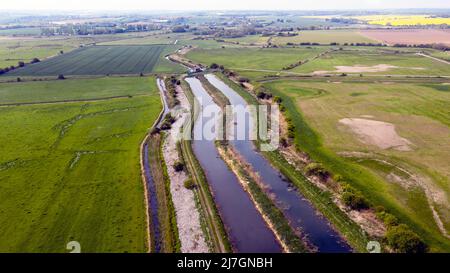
{"points": [[98, 60], [389, 139], [70, 169]]}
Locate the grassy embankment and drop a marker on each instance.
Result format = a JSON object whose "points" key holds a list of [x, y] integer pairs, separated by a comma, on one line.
{"points": [[415, 107], [71, 171]]}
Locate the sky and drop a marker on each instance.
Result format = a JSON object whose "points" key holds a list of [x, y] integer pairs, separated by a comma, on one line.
{"points": [[122, 5]]}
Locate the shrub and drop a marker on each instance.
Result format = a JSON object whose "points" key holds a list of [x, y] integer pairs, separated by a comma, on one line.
{"points": [[21, 64], [189, 184], [35, 60], [354, 200], [403, 240], [178, 166], [214, 66], [315, 169], [277, 99], [61, 77], [388, 219]]}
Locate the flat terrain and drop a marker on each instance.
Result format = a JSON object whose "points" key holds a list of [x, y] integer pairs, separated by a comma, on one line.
{"points": [[98, 60], [254, 58], [15, 49], [325, 37], [71, 171], [403, 19], [338, 124], [375, 61], [409, 36]]}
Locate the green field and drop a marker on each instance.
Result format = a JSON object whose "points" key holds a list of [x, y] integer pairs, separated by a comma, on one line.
{"points": [[324, 37], [71, 171], [419, 113], [98, 60], [256, 59], [25, 31], [401, 63]]}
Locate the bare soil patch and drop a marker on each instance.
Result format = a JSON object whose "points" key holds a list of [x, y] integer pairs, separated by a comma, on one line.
{"points": [[381, 134], [409, 36]]}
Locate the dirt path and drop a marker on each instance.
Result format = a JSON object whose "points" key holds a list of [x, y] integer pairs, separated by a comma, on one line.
{"points": [[188, 218], [433, 58]]}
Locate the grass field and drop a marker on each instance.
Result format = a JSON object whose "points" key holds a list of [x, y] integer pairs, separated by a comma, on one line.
{"points": [[26, 31], [420, 115], [324, 37], [254, 58], [400, 63], [71, 171], [98, 60]]}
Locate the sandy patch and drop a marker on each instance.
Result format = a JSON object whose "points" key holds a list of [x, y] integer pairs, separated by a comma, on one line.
{"points": [[381, 134], [188, 217], [359, 69]]}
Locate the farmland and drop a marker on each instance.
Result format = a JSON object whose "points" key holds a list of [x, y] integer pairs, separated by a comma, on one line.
{"points": [[325, 37], [374, 61], [419, 114], [71, 171], [256, 59], [403, 20], [98, 60], [409, 36]]}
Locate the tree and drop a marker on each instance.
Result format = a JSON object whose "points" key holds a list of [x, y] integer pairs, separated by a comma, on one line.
{"points": [[35, 60], [402, 239], [214, 66], [61, 77], [19, 79]]}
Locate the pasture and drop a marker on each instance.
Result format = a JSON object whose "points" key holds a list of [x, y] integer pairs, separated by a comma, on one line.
{"points": [[411, 183], [377, 61], [254, 59], [71, 171], [98, 60]]}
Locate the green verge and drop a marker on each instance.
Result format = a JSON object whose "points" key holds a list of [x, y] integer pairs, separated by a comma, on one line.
{"points": [[354, 235], [307, 140]]}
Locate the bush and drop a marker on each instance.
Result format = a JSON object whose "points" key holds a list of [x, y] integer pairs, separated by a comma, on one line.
{"points": [[178, 166], [214, 66], [277, 99], [61, 77], [35, 60], [354, 200], [189, 184], [315, 169], [403, 240]]}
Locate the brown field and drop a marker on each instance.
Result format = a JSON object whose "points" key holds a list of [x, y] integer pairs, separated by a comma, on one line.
{"points": [[409, 36]]}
